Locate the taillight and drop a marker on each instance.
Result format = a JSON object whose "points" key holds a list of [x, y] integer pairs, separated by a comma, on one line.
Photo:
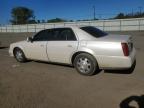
{"points": [[125, 49]]}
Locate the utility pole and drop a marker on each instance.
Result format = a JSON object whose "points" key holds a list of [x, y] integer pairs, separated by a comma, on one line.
{"points": [[132, 13], [94, 12], [16, 19], [140, 9], [100, 16]]}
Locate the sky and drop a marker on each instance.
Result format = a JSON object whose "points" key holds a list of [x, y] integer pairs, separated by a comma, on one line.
{"points": [[70, 9]]}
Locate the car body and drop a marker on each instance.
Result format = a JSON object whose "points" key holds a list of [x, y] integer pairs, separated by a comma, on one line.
{"points": [[68, 44]]}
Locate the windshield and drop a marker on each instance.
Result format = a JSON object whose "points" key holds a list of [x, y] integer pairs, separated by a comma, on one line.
{"points": [[94, 31]]}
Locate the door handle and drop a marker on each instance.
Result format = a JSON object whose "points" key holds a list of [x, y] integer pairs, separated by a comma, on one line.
{"points": [[69, 45], [42, 45]]}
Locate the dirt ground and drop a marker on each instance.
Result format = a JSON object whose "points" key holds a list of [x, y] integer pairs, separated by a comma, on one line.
{"points": [[43, 85]]}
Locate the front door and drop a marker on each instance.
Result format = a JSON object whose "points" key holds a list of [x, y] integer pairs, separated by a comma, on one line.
{"points": [[36, 49]]}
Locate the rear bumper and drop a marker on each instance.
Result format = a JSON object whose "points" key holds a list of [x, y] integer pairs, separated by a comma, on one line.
{"points": [[117, 62], [132, 56]]}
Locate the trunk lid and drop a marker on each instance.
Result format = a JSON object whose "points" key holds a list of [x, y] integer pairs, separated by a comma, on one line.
{"points": [[116, 38], [119, 38]]}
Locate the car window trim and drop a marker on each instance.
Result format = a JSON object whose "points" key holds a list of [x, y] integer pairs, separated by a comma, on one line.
{"points": [[53, 39]]}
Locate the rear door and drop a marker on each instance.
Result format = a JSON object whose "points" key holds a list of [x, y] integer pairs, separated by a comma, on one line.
{"points": [[62, 45]]}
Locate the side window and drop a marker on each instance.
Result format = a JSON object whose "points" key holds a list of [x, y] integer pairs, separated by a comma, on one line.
{"points": [[58, 34], [43, 35], [63, 34], [70, 35]]}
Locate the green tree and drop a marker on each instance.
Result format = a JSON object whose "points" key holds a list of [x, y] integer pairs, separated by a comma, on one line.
{"points": [[38, 21], [32, 22], [43, 21], [120, 16], [22, 15], [56, 20], [130, 15]]}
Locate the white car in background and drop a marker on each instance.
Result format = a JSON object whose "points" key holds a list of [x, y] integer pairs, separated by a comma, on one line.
{"points": [[86, 48]]}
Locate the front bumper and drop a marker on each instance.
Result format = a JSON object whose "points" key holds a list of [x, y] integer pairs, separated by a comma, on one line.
{"points": [[10, 52]]}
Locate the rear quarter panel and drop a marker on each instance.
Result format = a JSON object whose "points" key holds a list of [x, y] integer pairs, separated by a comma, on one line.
{"points": [[105, 48], [107, 54]]}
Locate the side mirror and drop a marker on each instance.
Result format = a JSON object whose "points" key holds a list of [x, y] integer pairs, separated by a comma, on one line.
{"points": [[29, 39]]}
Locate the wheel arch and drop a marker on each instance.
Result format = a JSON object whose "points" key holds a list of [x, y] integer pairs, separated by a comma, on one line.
{"points": [[79, 52], [17, 47]]}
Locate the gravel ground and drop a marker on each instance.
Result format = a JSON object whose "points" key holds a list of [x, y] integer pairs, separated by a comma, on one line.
{"points": [[43, 85]]}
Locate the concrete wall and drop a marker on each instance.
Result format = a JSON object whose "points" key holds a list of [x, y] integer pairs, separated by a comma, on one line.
{"points": [[135, 24], [7, 38]]}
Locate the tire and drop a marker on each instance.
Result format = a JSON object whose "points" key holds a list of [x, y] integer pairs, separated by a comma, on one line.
{"points": [[19, 55], [85, 64]]}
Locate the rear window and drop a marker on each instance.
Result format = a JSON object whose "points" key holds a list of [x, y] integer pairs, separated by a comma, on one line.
{"points": [[94, 31]]}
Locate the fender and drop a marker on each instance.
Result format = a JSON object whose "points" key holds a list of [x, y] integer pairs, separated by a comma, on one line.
{"points": [[19, 46], [81, 50]]}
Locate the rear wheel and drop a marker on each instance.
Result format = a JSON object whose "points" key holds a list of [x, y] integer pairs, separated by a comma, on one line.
{"points": [[85, 64], [19, 55]]}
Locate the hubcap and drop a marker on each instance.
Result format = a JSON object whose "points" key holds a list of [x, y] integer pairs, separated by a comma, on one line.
{"points": [[84, 65], [19, 55]]}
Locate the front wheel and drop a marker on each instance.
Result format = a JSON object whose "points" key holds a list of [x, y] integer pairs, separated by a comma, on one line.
{"points": [[19, 55], [85, 64]]}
